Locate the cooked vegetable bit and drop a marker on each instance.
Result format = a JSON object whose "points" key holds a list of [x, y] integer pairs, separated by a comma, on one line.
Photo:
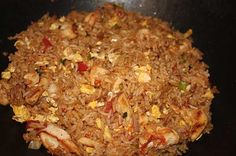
{"points": [[182, 85]]}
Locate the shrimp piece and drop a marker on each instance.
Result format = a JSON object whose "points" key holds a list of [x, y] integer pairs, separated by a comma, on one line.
{"points": [[198, 121], [171, 137], [196, 118], [54, 138], [159, 139]]}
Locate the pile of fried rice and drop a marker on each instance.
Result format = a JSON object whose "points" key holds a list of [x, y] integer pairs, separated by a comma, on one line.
{"points": [[107, 83]]}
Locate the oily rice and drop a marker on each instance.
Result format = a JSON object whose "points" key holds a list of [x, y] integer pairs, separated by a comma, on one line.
{"points": [[108, 82]]}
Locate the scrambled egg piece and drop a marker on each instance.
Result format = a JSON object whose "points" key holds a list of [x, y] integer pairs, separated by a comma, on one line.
{"points": [[6, 75], [208, 94], [107, 134], [143, 73], [49, 118], [54, 26], [21, 113], [87, 89], [93, 104], [89, 150], [70, 55], [99, 123], [156, 111], [11, 69]]}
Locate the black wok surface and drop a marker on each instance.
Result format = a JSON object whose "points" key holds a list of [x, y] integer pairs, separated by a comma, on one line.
{"points": [[213, 23]]}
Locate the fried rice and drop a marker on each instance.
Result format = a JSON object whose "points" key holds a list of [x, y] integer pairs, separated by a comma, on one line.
{"points": [[109, 82]]}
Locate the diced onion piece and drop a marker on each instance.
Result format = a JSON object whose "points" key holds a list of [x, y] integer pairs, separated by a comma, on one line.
{"points": [[182, 85]]}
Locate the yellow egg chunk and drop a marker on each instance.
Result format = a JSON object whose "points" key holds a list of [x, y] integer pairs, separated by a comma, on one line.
{"points": [[21, 113], [87, 89]]}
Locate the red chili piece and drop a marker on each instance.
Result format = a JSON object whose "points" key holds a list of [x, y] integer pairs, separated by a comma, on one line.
{"points": [[108, 106], [46, 43], [82, 67]]}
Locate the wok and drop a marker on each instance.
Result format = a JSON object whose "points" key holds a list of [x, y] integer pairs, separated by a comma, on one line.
{"points": [[213, 24]]}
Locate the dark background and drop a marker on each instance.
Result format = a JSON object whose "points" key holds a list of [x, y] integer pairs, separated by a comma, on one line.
{"points": [[213, 23]]}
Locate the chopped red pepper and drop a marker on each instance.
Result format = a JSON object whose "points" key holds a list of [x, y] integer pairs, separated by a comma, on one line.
{"points": [[82, 67], [46, 43], [108, 106], [97, 83]]}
